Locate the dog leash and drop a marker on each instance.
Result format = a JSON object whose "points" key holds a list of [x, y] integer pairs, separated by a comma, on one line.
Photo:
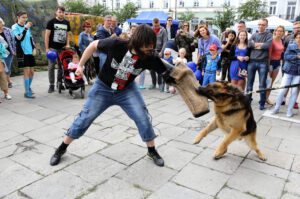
{"points": [[270, 89]]}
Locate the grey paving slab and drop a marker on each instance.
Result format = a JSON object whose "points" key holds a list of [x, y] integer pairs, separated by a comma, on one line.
{"points": [[256, 183], [37, 159], [147, 175], [276, 158], [124, 152], [7, 134], [289, 196], [14, 176], [189, 136], [292, 185], [227, 164], [61, 185], [41, 114], [45, 134], [228, 193], [185, 147], [97, 168], [202, 179], [16, 195], [159, 140], [170, 118], [296, 164], [173, 191], [13, 141], [284, 132], [237, 147], [268, 141], [265, 168], [116, 188], [290, 146], [170, 131], [23, 125]]}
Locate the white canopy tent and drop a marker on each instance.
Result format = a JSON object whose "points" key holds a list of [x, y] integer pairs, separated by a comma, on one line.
{"points": [[273, 22]]}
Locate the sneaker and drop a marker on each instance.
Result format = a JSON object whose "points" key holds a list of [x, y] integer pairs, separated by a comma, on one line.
{"points": [[32, 92], [274, 111], [74, 81], [173, 91], [86, 83], [10, 85], [296, 106], [29, 95], [283, 103], [289, 114], [142, 87], [152, 87], [51, 89], [0, 101], [261, 107], [167, 91], [8, 97], [55, 159], [156, 158], [161, 88]]}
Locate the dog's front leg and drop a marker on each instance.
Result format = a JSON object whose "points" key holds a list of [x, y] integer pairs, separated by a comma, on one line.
{"points": [[222, 149], [209, 128]]}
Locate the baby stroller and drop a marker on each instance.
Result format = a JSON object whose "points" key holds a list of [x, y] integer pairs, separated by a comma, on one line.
{"points": [[66, 57]]}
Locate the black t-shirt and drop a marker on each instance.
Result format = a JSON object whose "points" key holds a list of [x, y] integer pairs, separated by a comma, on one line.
{"points": [[226, 54], [58, 35], [121, 67]]}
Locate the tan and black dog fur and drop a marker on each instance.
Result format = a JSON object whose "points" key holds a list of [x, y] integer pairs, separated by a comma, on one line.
{"points": [[233, 114]]}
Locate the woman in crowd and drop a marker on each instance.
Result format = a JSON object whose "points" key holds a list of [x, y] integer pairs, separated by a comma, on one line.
{"points": [[226, 46], [291, 69], [6, 33], [25, 50], [205, 40], [185, 40], [239, 56], [276, 51], [3, 82]]}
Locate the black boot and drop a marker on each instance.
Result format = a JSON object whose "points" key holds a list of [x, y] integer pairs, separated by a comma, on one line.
{"points": [[55, 159], [152, 153], [51, 89]]}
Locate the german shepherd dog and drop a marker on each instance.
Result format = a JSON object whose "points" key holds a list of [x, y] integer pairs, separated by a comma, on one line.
{"points": [[233, 114]]}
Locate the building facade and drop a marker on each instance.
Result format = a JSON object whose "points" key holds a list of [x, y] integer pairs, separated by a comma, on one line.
{"points": [[285, 9]]}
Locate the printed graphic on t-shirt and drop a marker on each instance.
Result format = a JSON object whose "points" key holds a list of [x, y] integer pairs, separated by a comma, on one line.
{"points": [[60, 33], [125, 67]]}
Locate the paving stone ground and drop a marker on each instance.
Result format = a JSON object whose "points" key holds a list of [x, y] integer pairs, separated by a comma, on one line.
{"points": [[110, 162]]}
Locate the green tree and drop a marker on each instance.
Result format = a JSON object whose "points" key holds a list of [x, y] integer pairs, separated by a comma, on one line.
{"points": [[77, 6], [127, 12], [186, 16], [252, 10], [224, 19], [99, 10]]}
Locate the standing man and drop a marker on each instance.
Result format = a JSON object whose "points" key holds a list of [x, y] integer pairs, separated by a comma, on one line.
{"points": [[114, 25], [259, 44], [115, 85], [56, 38], [162, 39], [105, 30], [242, 26], [169, 28]]}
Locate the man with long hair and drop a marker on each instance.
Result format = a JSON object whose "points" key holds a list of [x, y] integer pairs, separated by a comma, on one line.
{"points": [[115, 85]]}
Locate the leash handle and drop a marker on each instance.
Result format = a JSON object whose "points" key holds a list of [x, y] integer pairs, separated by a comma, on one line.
{"points": [[269, 89]]}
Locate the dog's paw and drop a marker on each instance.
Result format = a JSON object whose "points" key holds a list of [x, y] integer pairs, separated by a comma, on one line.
{"points": [[218, 154], [263, 158], [197, 140]]}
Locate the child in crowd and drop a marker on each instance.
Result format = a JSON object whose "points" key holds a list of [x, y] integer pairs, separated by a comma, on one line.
{"points": [[168, 57], [3, 81], [212, 66], [180, 58], [72, 68]]}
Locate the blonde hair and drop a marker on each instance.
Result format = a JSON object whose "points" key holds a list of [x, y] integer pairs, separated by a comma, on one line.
{"points": [[296, 22], [124, 35], [182, 50], [1, 20], [280, 26]]}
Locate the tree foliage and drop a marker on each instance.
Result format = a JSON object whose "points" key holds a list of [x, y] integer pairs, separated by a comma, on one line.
{"points": [[186, 16], [225, 19], [127, 12], [99, 10], [252, 10], [77, 6]]}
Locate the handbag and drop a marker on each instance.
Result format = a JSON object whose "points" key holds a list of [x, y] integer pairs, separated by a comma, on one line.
{"points": [[242, 72]]}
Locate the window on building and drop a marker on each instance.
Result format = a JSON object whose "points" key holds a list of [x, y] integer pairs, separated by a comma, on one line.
{"points": [[227, 2], [290, 13], [151, 4], [118, 4], [210, 3], [166, 4], [181, 3], [104, 3], [196, 3], [272, 10], [139, 3]]}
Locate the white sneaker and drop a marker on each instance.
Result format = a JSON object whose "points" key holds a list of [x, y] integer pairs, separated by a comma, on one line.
{"points": [[289, 114], [274, 111], [8, 97], [86, 83], [74, 81]]}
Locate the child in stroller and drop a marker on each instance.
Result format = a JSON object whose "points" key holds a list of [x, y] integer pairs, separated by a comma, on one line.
{"points": [[72, 66]]}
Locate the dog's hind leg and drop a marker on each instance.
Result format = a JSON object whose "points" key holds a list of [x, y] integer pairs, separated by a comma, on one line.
{"points": [[209, 128], [251, 141], [222, 149]]}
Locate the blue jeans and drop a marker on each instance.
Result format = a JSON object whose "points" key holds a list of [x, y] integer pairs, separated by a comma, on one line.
{"points": [[288, 79], [8, 61], [101, 97], [209, 77], [262, 68]]}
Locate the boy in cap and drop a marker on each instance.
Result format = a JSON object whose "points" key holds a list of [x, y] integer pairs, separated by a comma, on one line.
{"points": [[212, 65]]}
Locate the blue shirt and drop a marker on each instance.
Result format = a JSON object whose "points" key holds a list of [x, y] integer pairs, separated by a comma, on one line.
{"points": [[203, 45], [26, 43], [212, 65]]}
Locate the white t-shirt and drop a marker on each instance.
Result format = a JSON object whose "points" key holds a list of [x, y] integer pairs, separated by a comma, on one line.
{"points": [[180, 60]]}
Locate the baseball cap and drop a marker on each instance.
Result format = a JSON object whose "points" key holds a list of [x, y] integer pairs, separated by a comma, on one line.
{"points": [[213, 47]]}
